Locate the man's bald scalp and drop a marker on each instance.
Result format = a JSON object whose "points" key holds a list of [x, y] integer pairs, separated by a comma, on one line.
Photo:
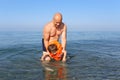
{"points": [[57, 16]]}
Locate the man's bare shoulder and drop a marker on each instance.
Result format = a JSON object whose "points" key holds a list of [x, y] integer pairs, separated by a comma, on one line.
{"points": [[64, 26], [48, 26]]}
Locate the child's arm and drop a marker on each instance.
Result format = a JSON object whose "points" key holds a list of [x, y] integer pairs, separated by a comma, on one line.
{"points": [[43, 56], [64, 56]]}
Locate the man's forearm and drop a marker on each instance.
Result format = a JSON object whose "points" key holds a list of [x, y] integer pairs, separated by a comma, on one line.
{"points": [[64, 44], [46, 44], [64, 56]]}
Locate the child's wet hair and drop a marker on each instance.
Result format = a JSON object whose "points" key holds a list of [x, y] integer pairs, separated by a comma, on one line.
{"points": [[52, 48]]}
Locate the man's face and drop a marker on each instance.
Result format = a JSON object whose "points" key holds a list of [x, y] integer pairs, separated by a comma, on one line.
{"points": [[57, 23]]}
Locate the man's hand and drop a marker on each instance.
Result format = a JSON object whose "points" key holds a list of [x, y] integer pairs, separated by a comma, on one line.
{"points": [[64, 56], [64, 60]]}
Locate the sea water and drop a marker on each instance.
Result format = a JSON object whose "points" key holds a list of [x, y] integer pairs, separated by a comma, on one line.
{"points": [[91, 56]]}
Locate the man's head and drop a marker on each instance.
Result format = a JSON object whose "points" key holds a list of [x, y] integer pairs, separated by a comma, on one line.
{"points": [[52, 48], [57, 19]]}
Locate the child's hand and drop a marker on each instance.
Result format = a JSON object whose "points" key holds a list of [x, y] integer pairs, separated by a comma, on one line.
{"points": [[44, 55]]}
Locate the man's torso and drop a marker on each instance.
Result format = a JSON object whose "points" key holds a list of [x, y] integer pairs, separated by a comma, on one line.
{"points": [[54, 32]]}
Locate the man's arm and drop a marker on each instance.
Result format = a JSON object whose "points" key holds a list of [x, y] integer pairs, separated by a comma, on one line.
{"points": [[46, 36], [64, 56], [64, 37]]}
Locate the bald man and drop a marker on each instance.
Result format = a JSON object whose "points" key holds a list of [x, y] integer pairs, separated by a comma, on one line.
{"points": [[53, 31]]}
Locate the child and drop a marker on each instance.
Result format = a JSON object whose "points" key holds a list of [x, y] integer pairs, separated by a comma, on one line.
{"points": [[55, 52]]}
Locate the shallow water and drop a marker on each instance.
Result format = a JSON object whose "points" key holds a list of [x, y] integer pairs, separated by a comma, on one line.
{"points": [[91, 56]]}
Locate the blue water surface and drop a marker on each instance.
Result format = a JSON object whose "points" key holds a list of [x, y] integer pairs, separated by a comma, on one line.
{"points": [[91, 56]]}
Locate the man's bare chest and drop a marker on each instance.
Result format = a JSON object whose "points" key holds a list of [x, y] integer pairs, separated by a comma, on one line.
{"points": [[55, 32]]}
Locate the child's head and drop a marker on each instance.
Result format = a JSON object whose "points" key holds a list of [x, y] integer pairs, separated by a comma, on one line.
{"points": [[52, 48]]}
